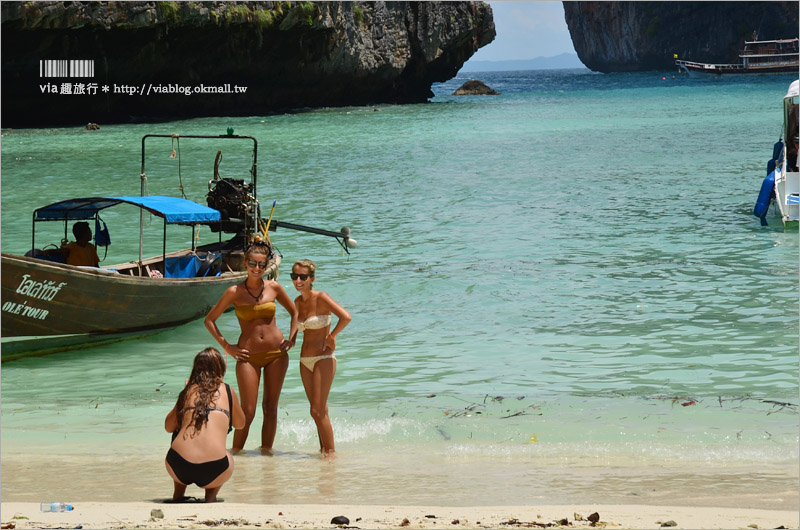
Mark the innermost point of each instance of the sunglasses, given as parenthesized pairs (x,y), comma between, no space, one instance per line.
(259,264)
(303,277)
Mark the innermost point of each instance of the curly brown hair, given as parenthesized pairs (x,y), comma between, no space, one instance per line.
(208,371)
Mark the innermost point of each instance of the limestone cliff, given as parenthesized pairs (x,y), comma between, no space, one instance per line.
(632,36)
(286,54)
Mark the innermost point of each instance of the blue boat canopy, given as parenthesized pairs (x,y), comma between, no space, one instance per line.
(172,209)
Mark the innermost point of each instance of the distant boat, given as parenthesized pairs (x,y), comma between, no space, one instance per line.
(781,187)
(757,57)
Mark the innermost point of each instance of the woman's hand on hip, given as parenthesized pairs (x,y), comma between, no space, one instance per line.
(237,353)
(330,343)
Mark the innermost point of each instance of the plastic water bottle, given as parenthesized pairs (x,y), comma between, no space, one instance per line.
(56,507)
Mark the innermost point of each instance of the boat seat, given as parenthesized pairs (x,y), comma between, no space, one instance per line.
(56,258)
(40,254)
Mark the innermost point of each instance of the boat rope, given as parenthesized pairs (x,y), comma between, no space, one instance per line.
(144,194)
(180,175)
(144,183)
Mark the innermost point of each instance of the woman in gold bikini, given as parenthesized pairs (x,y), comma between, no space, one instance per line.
(261,343)
(317,359)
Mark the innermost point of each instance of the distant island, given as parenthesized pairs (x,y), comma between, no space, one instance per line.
(642,36)
(557,62)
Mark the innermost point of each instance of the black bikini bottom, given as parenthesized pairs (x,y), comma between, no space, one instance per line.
(191,473)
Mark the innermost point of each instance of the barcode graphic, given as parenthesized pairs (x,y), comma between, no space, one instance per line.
(66,68)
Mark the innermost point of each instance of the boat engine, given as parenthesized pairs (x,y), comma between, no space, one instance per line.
(232,197)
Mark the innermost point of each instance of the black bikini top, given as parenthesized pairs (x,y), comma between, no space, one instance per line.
(209,409)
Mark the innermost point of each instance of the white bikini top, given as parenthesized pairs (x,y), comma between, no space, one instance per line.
(315,322)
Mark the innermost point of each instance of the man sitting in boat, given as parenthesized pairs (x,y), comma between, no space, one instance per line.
(81,252)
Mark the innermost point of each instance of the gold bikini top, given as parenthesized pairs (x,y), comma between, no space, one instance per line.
(253,312)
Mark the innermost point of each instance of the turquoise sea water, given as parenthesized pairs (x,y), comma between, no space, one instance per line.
(559,295)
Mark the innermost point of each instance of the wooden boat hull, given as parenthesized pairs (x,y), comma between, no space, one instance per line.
(49,307)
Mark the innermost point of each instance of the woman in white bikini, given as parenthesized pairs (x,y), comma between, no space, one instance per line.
(260,345)
(317,359)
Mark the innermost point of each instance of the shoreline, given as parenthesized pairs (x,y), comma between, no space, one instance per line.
(157,515)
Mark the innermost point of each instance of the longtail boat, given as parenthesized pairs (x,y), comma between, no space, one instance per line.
(50,306)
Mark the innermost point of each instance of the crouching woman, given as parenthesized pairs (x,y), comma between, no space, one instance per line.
(206,411)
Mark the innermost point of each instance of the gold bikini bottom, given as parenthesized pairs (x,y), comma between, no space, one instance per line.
(264,358)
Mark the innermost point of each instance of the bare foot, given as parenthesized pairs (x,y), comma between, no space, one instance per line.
(178,492)
(266,451)
(211,494)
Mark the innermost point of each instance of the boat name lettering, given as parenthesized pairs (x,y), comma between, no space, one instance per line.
(25,310)
(46,290)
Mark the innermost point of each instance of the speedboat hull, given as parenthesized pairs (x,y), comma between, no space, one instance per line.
(787,195)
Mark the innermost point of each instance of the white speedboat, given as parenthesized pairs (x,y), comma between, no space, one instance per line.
(781,188)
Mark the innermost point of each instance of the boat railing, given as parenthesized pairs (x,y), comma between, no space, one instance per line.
(749,65)
(247,227)
(788,53)
(708,66)
(772,47)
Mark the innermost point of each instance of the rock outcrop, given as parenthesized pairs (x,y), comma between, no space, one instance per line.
(165,60)
(634,36)
(473,87)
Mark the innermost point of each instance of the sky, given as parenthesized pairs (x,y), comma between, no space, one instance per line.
(526,29)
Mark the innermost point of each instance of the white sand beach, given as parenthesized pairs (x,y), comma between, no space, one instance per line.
(110,515)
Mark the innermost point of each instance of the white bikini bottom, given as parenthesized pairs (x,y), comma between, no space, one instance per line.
(309,362)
